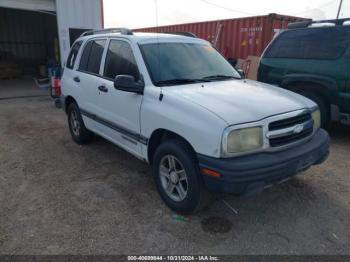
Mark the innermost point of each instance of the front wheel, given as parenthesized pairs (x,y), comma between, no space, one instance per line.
(178,179)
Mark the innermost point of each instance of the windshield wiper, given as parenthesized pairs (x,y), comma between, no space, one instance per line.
(179,81)
(220,77)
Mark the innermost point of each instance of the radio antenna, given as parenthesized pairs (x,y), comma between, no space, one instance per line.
(339,8)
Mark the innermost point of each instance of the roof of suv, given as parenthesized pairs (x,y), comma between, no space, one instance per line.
(148,37)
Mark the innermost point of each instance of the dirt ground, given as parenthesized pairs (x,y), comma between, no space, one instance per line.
(57,197)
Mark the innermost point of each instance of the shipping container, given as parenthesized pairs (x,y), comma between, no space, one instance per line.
(235,38)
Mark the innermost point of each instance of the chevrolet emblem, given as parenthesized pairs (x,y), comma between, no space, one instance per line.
(298,129)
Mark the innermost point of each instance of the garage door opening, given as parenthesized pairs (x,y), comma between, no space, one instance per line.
(35,37)
(28,46)
(28,39)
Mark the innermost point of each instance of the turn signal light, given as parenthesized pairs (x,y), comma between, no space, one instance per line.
(212,173)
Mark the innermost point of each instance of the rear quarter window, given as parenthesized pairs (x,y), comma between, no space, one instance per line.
(73,54)
(311,43)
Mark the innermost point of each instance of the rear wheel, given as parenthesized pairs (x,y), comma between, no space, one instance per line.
(178,179)
(76,125)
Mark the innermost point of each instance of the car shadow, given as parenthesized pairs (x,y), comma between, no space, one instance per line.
(111,179)
(339,132)
(285,199)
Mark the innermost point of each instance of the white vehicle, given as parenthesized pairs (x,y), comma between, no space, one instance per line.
(176,103)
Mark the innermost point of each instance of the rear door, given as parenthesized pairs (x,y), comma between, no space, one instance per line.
(69,86)
(88,79)
(120,110)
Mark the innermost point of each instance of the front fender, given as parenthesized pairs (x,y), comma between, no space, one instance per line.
(200,127)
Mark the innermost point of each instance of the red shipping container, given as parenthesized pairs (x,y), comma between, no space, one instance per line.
(235,38)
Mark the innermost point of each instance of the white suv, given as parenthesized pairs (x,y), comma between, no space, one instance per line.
(174,102)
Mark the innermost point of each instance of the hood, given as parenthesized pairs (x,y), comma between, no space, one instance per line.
(241,101)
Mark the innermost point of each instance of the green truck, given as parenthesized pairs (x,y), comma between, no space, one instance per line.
(313,59)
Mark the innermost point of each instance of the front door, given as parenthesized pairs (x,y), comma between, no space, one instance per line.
(120,110)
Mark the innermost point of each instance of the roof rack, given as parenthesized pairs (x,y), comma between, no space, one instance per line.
(123,31)
(188,34)
(304,24)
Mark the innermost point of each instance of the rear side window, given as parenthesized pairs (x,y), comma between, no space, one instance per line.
(315,43)
(73,54)
(85,57)
(91,58)
(120,60)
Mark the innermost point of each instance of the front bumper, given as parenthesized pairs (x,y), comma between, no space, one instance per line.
(252,173)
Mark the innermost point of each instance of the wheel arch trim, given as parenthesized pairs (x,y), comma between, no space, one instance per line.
(161,134)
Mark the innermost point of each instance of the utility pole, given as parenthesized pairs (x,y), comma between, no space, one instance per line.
(340,4)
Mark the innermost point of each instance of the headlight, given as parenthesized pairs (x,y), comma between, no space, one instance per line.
(243,140)
(316,116)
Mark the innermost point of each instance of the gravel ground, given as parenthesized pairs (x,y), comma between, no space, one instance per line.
(57,197)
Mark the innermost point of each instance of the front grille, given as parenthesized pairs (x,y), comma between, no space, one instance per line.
(289,122)
(288,138)
(284,140)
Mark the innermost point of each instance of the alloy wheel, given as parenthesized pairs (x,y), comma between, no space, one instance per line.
(173,178)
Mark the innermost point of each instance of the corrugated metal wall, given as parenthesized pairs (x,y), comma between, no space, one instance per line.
(239,37)
(47,5)
(79,14)
(26,35)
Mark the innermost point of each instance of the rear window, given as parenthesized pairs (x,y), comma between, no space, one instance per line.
(315,43)
(91,58)
(73,54)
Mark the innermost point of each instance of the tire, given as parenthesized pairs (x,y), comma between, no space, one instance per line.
(77,128)
(197,196)
(324,108)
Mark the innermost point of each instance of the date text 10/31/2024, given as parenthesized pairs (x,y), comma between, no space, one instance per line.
(173,258)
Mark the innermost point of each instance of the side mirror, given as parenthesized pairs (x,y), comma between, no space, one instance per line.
(128,83)
(232,61)
(241,73)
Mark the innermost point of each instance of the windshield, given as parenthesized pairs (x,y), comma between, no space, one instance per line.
(185,63)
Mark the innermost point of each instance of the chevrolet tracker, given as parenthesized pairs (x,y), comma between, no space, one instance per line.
(176,103)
